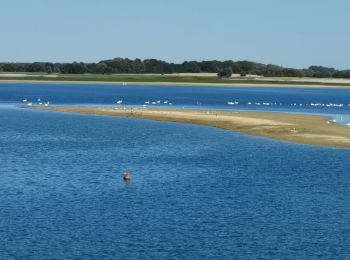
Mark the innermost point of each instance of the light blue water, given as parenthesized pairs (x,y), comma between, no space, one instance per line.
(196,193)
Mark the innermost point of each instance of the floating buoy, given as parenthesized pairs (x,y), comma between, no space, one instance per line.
(127,176)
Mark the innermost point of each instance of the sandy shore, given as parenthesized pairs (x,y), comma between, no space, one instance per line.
(276,84)
(176,79)
(297,128)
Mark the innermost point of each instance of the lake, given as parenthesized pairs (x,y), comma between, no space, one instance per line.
(196,192)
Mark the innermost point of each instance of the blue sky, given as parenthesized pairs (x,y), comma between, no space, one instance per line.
(296,33)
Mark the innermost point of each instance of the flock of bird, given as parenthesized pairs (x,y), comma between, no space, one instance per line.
(39,102)
(232,103)
(292,104)
(146,103)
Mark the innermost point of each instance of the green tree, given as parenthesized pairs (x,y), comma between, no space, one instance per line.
(48,69)
(209,66)
(225,73)
(191,66)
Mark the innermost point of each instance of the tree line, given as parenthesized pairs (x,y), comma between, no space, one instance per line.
(138,66)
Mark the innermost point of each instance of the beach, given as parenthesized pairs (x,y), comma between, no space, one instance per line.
(275,84)
(177,79)
(298,128)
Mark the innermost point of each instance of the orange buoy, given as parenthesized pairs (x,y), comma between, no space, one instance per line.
(127,176)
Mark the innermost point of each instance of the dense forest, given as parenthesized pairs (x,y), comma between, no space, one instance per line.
(137,66)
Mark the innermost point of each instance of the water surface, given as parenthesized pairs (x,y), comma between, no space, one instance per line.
(197,192)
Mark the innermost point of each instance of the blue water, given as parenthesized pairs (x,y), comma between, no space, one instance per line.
(286,99)
(197,192)
(293,100)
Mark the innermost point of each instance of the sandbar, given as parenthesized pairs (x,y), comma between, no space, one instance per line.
(298,128)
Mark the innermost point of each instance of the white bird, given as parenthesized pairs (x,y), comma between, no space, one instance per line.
(47,103)
(119,102)
(24,100)
(29,104)
(38,99)
(146,102)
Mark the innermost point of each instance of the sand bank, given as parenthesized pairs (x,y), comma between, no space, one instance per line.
(305,129)
(274,84)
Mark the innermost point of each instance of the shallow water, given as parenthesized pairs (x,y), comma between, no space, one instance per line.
(197,192)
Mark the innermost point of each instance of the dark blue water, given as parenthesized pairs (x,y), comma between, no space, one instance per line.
(196,193)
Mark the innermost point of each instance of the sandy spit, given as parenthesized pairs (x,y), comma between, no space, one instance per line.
(305,129)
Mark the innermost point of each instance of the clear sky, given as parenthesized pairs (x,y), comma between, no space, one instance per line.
(296,33)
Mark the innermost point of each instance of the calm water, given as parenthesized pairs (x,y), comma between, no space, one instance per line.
(217,97)
(196,193)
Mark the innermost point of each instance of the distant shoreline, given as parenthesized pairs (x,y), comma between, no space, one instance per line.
(304,129)
(250,83)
